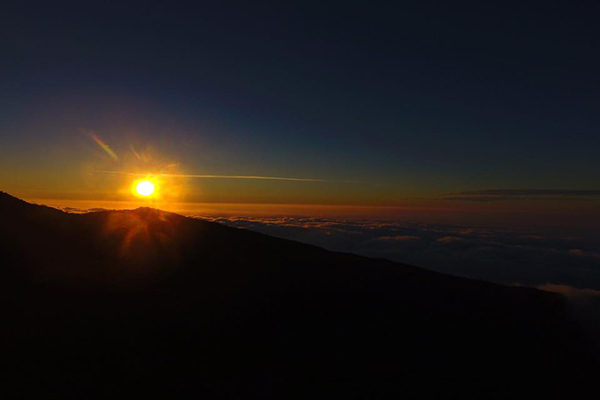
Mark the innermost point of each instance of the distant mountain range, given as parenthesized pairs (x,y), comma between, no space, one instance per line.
(145,303)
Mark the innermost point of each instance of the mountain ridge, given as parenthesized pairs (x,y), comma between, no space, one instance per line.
(162,301)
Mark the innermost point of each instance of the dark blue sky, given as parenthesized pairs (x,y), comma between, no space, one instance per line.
(421,98)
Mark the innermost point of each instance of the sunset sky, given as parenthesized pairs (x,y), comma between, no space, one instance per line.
(248,199)
(446,107)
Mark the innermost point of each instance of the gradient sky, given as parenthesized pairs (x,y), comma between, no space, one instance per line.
(397,103)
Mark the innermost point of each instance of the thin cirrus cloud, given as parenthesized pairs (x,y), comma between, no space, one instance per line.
(520,194)
(203,176)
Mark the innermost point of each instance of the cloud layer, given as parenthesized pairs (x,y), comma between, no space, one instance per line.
(498,255)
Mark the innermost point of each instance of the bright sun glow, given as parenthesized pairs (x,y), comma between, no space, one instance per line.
(145,188)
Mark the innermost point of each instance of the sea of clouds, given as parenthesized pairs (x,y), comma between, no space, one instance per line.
(498,255)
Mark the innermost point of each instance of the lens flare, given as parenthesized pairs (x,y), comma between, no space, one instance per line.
(145,188)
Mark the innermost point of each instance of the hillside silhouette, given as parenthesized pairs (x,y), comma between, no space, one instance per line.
(148,303)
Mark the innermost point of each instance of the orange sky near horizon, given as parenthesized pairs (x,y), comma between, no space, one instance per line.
(528,215)
(90,173)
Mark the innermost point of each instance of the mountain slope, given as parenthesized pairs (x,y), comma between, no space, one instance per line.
(153,303)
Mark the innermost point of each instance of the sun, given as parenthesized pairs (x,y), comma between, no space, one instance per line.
(145,188)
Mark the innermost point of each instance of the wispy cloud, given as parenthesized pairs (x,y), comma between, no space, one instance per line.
(582,253)
(520,194)
(103,146)
(533,192)
(398,238)
(205,176)
(480,198)
(450,240)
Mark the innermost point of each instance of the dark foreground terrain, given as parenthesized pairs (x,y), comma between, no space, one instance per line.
(143,303)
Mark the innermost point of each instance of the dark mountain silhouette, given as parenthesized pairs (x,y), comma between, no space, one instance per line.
(147,303)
